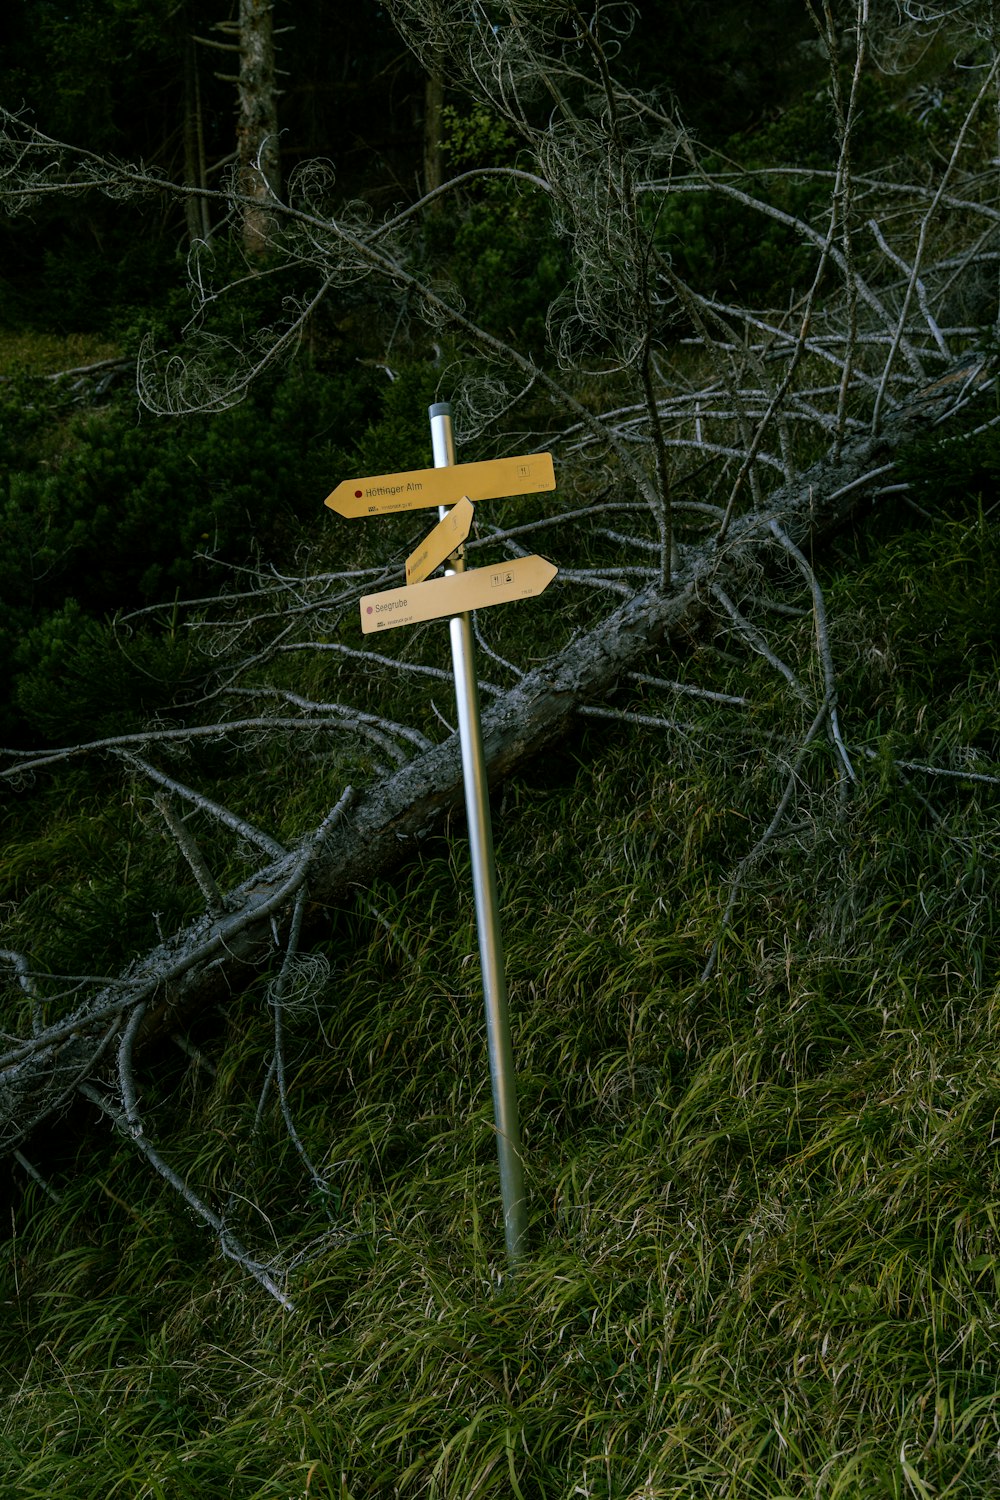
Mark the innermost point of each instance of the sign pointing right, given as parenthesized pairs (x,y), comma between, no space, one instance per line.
(440,543)
(457,593)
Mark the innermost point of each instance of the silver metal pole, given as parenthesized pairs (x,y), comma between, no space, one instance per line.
(477,807)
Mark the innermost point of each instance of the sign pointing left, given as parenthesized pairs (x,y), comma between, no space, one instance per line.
(383,494)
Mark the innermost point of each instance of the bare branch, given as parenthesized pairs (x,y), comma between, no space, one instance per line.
(395,663)
(36,1177)
(26,980)
(278,996)
(767,837)
(753,637)
(957,774)
(230,1246)
(215,810)
(262,725)
(925,223)
(690,691)
(822,643)
(188,846)
(126,1074)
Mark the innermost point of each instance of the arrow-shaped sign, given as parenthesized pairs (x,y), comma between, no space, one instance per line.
(440,543)
(456,593)
(420,488)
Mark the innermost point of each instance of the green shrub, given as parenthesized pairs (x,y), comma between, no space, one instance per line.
(496,242)
(720,245)
(79,679)
(117,509)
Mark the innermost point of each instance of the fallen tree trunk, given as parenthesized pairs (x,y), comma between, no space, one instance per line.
(388,819)
(374,830)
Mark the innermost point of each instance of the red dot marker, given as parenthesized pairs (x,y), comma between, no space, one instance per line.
(358,494)
(369,610)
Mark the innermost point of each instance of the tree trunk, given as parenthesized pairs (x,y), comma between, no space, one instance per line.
(257,128)
(195,207)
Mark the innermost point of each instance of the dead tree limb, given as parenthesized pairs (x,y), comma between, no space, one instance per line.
(368,833)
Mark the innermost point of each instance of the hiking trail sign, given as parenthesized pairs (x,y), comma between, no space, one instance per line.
(453,596)
(446,538)
(456,593)
(493,479)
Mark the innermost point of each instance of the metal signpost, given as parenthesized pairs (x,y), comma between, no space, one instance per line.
(454,485)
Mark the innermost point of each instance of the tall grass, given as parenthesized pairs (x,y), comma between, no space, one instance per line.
(764,1242)
(30,352)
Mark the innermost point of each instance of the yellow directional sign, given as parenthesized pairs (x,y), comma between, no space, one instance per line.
(441,542)
(456,593)
(496,477)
